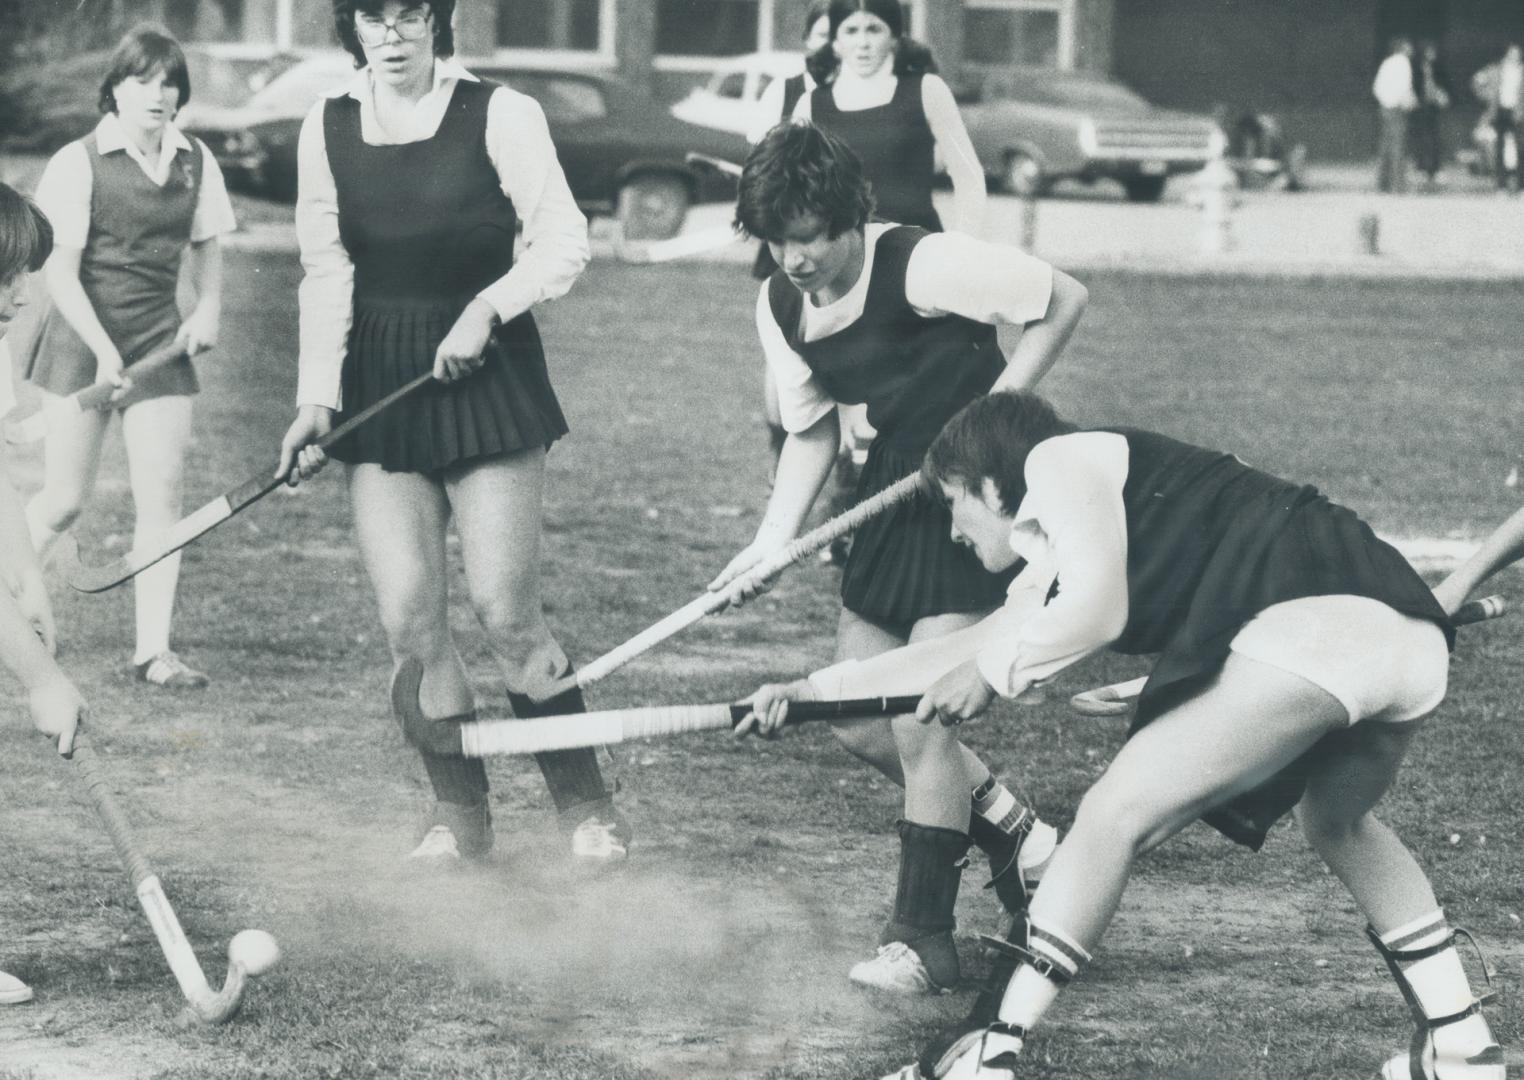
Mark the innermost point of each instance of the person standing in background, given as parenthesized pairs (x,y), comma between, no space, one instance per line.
(1393,89)
(1507,98)
(1431,91)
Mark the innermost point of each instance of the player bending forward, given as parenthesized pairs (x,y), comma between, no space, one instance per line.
(1298,655)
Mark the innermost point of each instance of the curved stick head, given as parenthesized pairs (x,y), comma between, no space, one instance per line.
(82,578)
(222,1006)
(427,735)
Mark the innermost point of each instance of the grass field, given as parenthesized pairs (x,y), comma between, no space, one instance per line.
(284,797)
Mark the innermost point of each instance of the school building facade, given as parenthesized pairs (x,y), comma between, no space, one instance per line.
(1308,61)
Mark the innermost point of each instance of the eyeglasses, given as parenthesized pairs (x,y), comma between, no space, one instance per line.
(410,26)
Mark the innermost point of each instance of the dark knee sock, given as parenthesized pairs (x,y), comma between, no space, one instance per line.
(460,795)
(572,776)
(931,864)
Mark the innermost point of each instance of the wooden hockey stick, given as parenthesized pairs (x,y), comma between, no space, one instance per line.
(99,578)
(31,428)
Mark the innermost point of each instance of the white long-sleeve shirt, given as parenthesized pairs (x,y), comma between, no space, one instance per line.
(948,274)
(1394,83)
(520,149)
(1070,527)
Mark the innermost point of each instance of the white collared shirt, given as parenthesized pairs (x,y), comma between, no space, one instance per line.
(519,147)
(67,183)
(948,274)
(1070,527)
(1393,87)
(7,387)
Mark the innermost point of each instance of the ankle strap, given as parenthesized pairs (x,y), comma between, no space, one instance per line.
(1038,963)
(1396,957)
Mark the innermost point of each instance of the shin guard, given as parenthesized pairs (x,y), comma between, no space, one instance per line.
(1425,1059)
(931,865)
(572,776)
(460,795)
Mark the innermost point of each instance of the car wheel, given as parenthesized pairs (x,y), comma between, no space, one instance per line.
(1023,175)
(652,206)
(1144,188)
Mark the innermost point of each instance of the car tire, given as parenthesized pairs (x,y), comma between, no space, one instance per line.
(1023,175)
(653,206)
(1145,188)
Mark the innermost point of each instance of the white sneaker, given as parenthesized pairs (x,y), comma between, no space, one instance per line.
(1036,853)
(438,848)
(597,842)
(13,991)
(897,969)
(1487,1063)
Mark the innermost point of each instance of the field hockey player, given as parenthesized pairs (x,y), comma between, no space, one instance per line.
(904,321)
(26,617)
(1297,657)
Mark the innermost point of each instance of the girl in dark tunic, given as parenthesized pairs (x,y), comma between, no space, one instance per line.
(903,321)
(129,202)
(413,180)
(1297,656)
(878,91)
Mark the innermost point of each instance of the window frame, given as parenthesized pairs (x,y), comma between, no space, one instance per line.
(602,58)
(1066,22)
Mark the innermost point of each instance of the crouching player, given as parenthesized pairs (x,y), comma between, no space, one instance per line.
(26,618)
(1297,657)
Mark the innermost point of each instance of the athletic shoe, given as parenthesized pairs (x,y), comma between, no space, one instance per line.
(982,1054)
(897,969)
(13,991)
(438,848)
(600,842)
(170,672)
(1486,1064)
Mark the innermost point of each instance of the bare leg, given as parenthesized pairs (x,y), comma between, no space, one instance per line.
(496,504)
(157,432)
(71,459)
(400,521)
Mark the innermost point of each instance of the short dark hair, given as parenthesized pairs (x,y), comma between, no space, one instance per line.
(991,437)
(344,11)
(26,235)
(818,9)
(800,169)
(145,49)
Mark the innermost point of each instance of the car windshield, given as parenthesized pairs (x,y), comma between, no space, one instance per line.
(294,92)
(231,80)
(564,98)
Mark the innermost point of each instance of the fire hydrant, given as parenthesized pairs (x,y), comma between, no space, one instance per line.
(1215,190)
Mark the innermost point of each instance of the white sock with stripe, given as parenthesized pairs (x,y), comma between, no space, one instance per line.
(995,803)
(1033,989)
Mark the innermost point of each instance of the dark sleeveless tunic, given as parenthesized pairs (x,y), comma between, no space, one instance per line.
(896,146)
(427,227)
(793,89)
(1213,542)
(129,270)
(914,373)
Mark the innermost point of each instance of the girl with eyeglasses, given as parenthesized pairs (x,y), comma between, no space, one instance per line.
(413,180)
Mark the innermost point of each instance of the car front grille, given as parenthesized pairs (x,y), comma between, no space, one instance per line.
(1153,140)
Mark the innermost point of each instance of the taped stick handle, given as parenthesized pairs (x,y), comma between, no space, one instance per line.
(98,396)
(709,602)
(842,709)
(1480,610)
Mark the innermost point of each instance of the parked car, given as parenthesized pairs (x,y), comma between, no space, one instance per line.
(1033,126)
(729,100)
(44,105)
(621,151)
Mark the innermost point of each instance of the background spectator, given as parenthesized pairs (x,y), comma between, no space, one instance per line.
(1393,89)
(1431,89)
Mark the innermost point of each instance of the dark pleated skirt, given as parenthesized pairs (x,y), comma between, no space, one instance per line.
(903,564)
(506,406)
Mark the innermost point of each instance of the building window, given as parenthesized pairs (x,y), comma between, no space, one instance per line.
(562,25)
(709,27)
(1035,33)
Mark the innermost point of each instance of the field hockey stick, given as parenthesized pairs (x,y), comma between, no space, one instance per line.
(489,738)
(208,1005)
(709,602)
(680,247)
(1117,698)
(709,161)
(92,579)
(31,428)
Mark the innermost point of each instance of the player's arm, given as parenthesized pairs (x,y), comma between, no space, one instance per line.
(999,284)
(957,153)
(21,572)
(1504,546)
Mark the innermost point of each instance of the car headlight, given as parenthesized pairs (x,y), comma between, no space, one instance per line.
(1088,143)
(1217,143)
